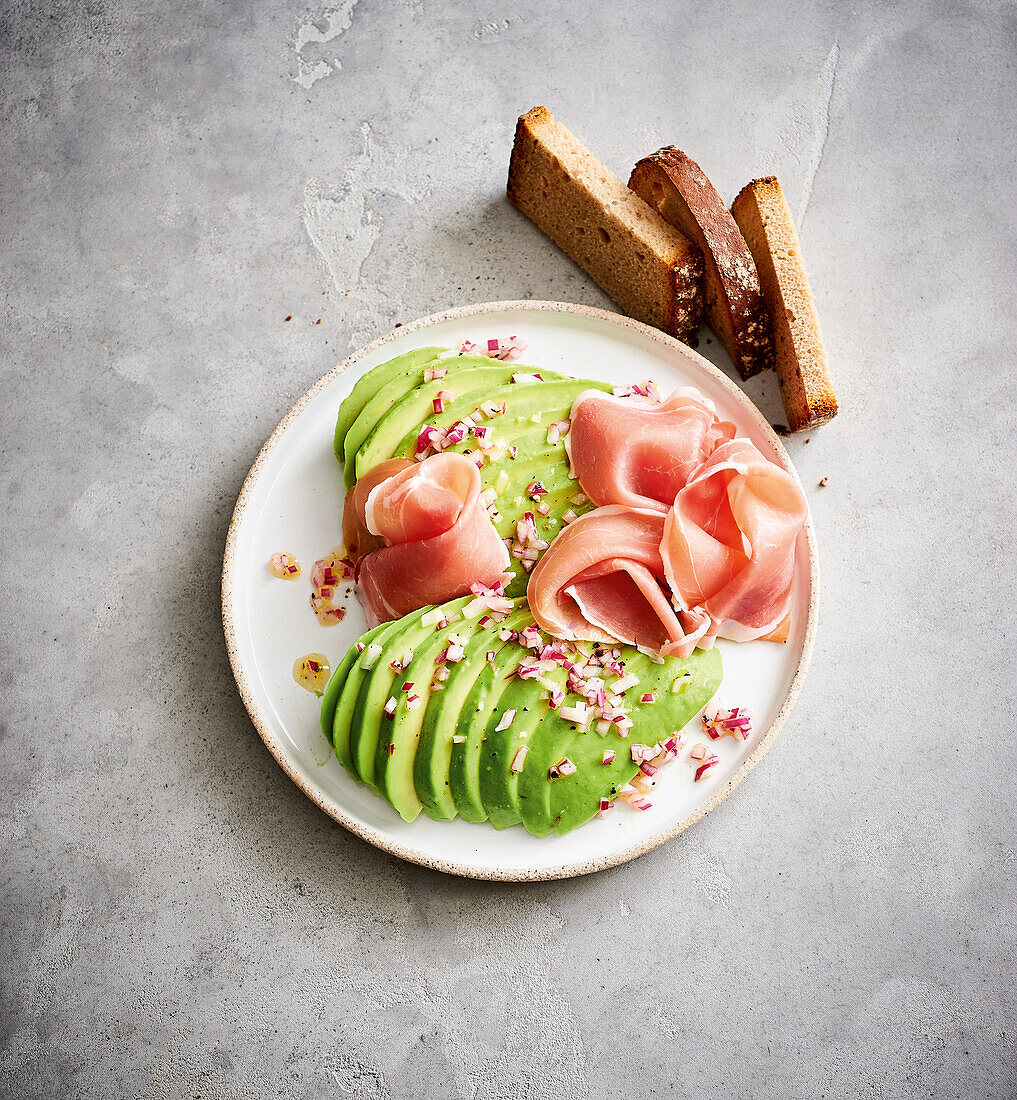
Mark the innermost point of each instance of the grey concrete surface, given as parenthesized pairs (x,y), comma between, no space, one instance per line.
(177,920)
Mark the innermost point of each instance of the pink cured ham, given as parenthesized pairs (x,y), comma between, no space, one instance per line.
(438,539)
(357,539)
(603,580)
(729,542)
(633,451)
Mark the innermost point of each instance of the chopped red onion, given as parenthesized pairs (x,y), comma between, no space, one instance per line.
(707,766)
(506,720)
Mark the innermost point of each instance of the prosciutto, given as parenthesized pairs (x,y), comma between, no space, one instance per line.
(603,580)
(728,543)
(434,539)
(357,539)
(633,451)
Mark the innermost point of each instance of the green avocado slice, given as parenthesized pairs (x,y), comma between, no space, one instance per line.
(575,799)
(498,781)
(393,390)
(373,691)
(395,433)
(399,734)
(369,383)
(471,729)
(462,376)
(330,699)
(563,804)
(345,722)
(533,786)
(444,708)
(550,400)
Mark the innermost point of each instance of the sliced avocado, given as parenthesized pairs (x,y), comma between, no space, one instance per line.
(471,729)
(550,745)
(346,708)
(533,786)
(444,708)
(373,692)
(498,780)
(446,755)
(335,684)
(369,383)
(573,804)
(460,377)
(399,734)
(395,433)
(550,399)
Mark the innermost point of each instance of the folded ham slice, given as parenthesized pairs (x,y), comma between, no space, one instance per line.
(357,539)
(633,451)
(436,539)
(729,542)
(602,580)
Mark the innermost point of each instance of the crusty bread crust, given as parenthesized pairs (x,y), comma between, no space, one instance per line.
(675,186)
(764,218)
(646,265)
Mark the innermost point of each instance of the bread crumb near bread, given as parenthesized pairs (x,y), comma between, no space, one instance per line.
(678,189)
(646,265)
(765,221)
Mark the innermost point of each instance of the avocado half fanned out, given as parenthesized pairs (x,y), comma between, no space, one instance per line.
(454,750)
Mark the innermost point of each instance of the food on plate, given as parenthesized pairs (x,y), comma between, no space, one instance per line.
(505,419)
(443,736)
(719,563)
(437,538)
(357,539)
(328,574)
(284,565)
(603,580)
(729,542)
(764,218)
(646,265)
(678,189)
(639,450)
(312,672)
(529,660)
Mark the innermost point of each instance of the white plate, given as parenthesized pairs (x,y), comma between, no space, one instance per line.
(292,500)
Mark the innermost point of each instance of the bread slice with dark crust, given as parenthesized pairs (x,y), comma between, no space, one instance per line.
(646,265)
(678,189)
(764,218)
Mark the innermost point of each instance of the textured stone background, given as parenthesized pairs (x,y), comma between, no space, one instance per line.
(177,919)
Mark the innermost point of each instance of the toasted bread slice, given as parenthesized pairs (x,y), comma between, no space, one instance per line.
(647,266)
(677,188)
(763,217)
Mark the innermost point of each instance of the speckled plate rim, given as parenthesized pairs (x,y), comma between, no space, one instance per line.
(375,836)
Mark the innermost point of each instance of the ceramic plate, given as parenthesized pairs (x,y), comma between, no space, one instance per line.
(292,500)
